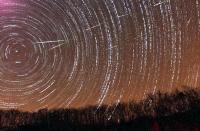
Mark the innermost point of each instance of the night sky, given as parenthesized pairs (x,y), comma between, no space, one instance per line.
(75,53)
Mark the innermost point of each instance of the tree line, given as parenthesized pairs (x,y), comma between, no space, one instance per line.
(156,109)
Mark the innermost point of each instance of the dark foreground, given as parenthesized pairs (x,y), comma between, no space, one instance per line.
(179,111)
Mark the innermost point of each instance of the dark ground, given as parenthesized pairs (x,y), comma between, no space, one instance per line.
(179,111)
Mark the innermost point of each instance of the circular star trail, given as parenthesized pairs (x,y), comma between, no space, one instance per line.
(75,53)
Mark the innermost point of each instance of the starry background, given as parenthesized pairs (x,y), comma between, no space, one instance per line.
(75,53)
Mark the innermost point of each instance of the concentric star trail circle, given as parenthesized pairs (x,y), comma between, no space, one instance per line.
(75,53)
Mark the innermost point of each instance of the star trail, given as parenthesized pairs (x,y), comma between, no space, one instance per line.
(75,53)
